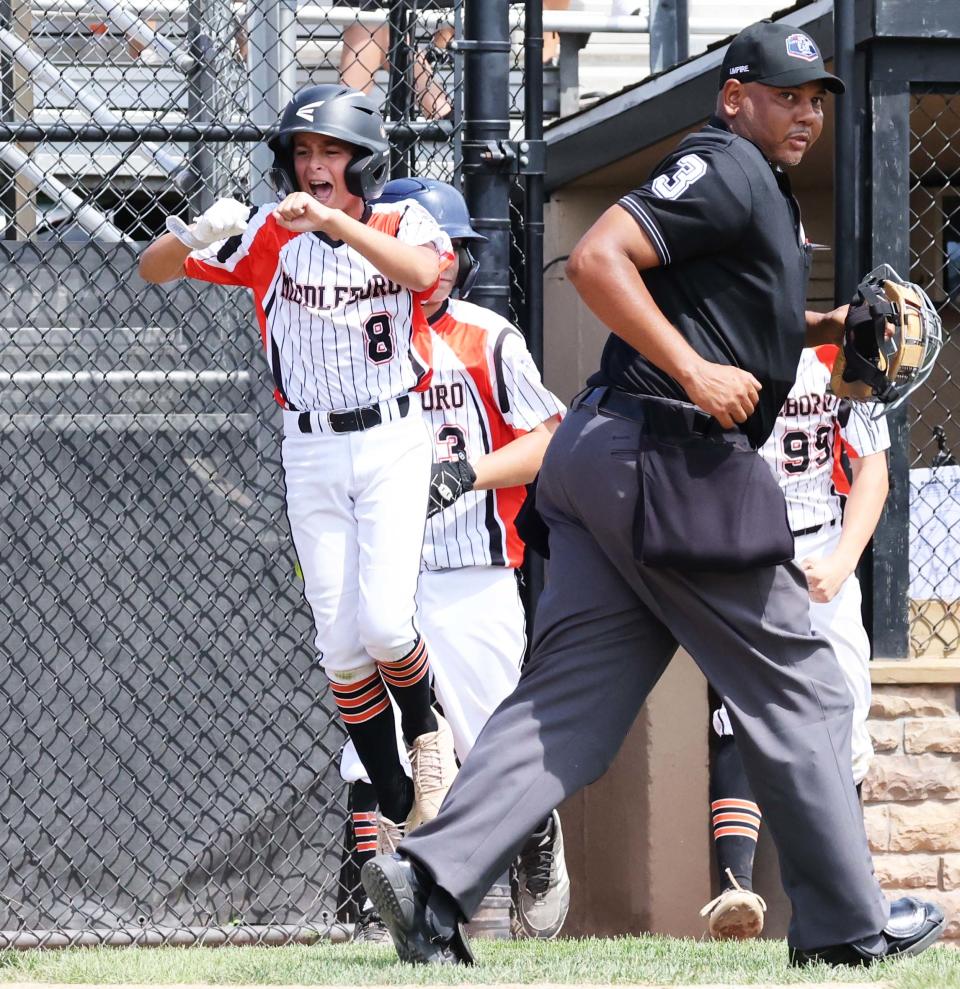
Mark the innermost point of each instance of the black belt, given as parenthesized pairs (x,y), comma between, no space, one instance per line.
(353,420)
(810,530)
(662,416)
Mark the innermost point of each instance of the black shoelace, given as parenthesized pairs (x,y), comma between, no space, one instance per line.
(537,864)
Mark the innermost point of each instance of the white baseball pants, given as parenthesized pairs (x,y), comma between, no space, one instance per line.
(472,619)
(357,505)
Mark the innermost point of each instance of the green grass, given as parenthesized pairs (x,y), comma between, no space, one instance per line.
(643,960)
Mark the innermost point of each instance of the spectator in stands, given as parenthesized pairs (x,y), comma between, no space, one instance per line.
(366,49)
(551,39)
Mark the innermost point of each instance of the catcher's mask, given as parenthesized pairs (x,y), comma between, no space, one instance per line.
(343,113)
(871,365)
(445,204)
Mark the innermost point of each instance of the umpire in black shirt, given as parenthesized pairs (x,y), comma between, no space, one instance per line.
(666,528)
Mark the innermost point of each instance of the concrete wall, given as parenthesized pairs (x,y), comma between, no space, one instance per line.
(572,336)
(638,840)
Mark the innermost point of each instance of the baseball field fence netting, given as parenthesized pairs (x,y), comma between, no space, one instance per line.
(170,770)
(934,442)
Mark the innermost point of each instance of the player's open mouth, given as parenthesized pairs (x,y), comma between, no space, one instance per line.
(321,190)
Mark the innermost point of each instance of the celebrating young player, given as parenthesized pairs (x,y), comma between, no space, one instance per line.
(491,419)
(337,286)
(804,451)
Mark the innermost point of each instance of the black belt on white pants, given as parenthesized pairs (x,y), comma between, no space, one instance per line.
(351,420)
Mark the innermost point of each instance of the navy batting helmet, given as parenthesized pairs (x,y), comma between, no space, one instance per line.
(445,204)
(339,112)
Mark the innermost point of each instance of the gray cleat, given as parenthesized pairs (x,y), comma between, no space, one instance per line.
(369,928)
(541,893)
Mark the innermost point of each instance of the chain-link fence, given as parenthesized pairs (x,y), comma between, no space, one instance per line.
(170,754)
(934,429)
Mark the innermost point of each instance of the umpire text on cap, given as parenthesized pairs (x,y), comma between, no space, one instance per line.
(776,55)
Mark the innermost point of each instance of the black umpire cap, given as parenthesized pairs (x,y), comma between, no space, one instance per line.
(777,55)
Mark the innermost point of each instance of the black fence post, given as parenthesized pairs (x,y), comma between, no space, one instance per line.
(533,181)
(890,242)
(533,237)
(400,86)
(846,260)
(486,153)
(200,105)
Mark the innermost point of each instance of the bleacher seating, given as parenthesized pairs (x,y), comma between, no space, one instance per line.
(94,56)
(611,61)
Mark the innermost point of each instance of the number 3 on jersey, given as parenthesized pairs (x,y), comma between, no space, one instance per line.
(450,443)
(378,329)
(689,169)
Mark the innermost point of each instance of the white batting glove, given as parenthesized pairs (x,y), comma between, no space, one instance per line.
(225,218)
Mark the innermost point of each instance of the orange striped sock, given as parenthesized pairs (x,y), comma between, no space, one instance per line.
(736,827)
(359,702)
(735,818)
(409,683)
(366,711)
(365,833)
(407,671)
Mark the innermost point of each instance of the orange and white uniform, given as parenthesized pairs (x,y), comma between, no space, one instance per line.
(337,334)
(812,431)
(486,391)
(807,439)
(347,349)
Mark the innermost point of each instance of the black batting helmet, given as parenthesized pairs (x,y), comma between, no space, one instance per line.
(448,207)
(343,113)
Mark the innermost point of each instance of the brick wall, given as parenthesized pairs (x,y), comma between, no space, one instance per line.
(912,794)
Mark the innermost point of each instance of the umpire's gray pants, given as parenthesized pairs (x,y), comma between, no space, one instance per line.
(605,630)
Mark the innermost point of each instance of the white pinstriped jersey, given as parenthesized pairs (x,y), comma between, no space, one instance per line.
(805,446)
(337,333)
(486,391)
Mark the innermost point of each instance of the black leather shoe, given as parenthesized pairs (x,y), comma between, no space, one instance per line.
(422,918)
(913,926)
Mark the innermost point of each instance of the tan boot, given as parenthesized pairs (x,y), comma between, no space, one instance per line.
(736,914)
(389,835)
(434,766)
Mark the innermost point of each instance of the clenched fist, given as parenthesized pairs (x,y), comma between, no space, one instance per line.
(301,213)
(728,393)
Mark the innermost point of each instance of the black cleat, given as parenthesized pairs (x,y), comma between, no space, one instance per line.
(913,926)
(422,918)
